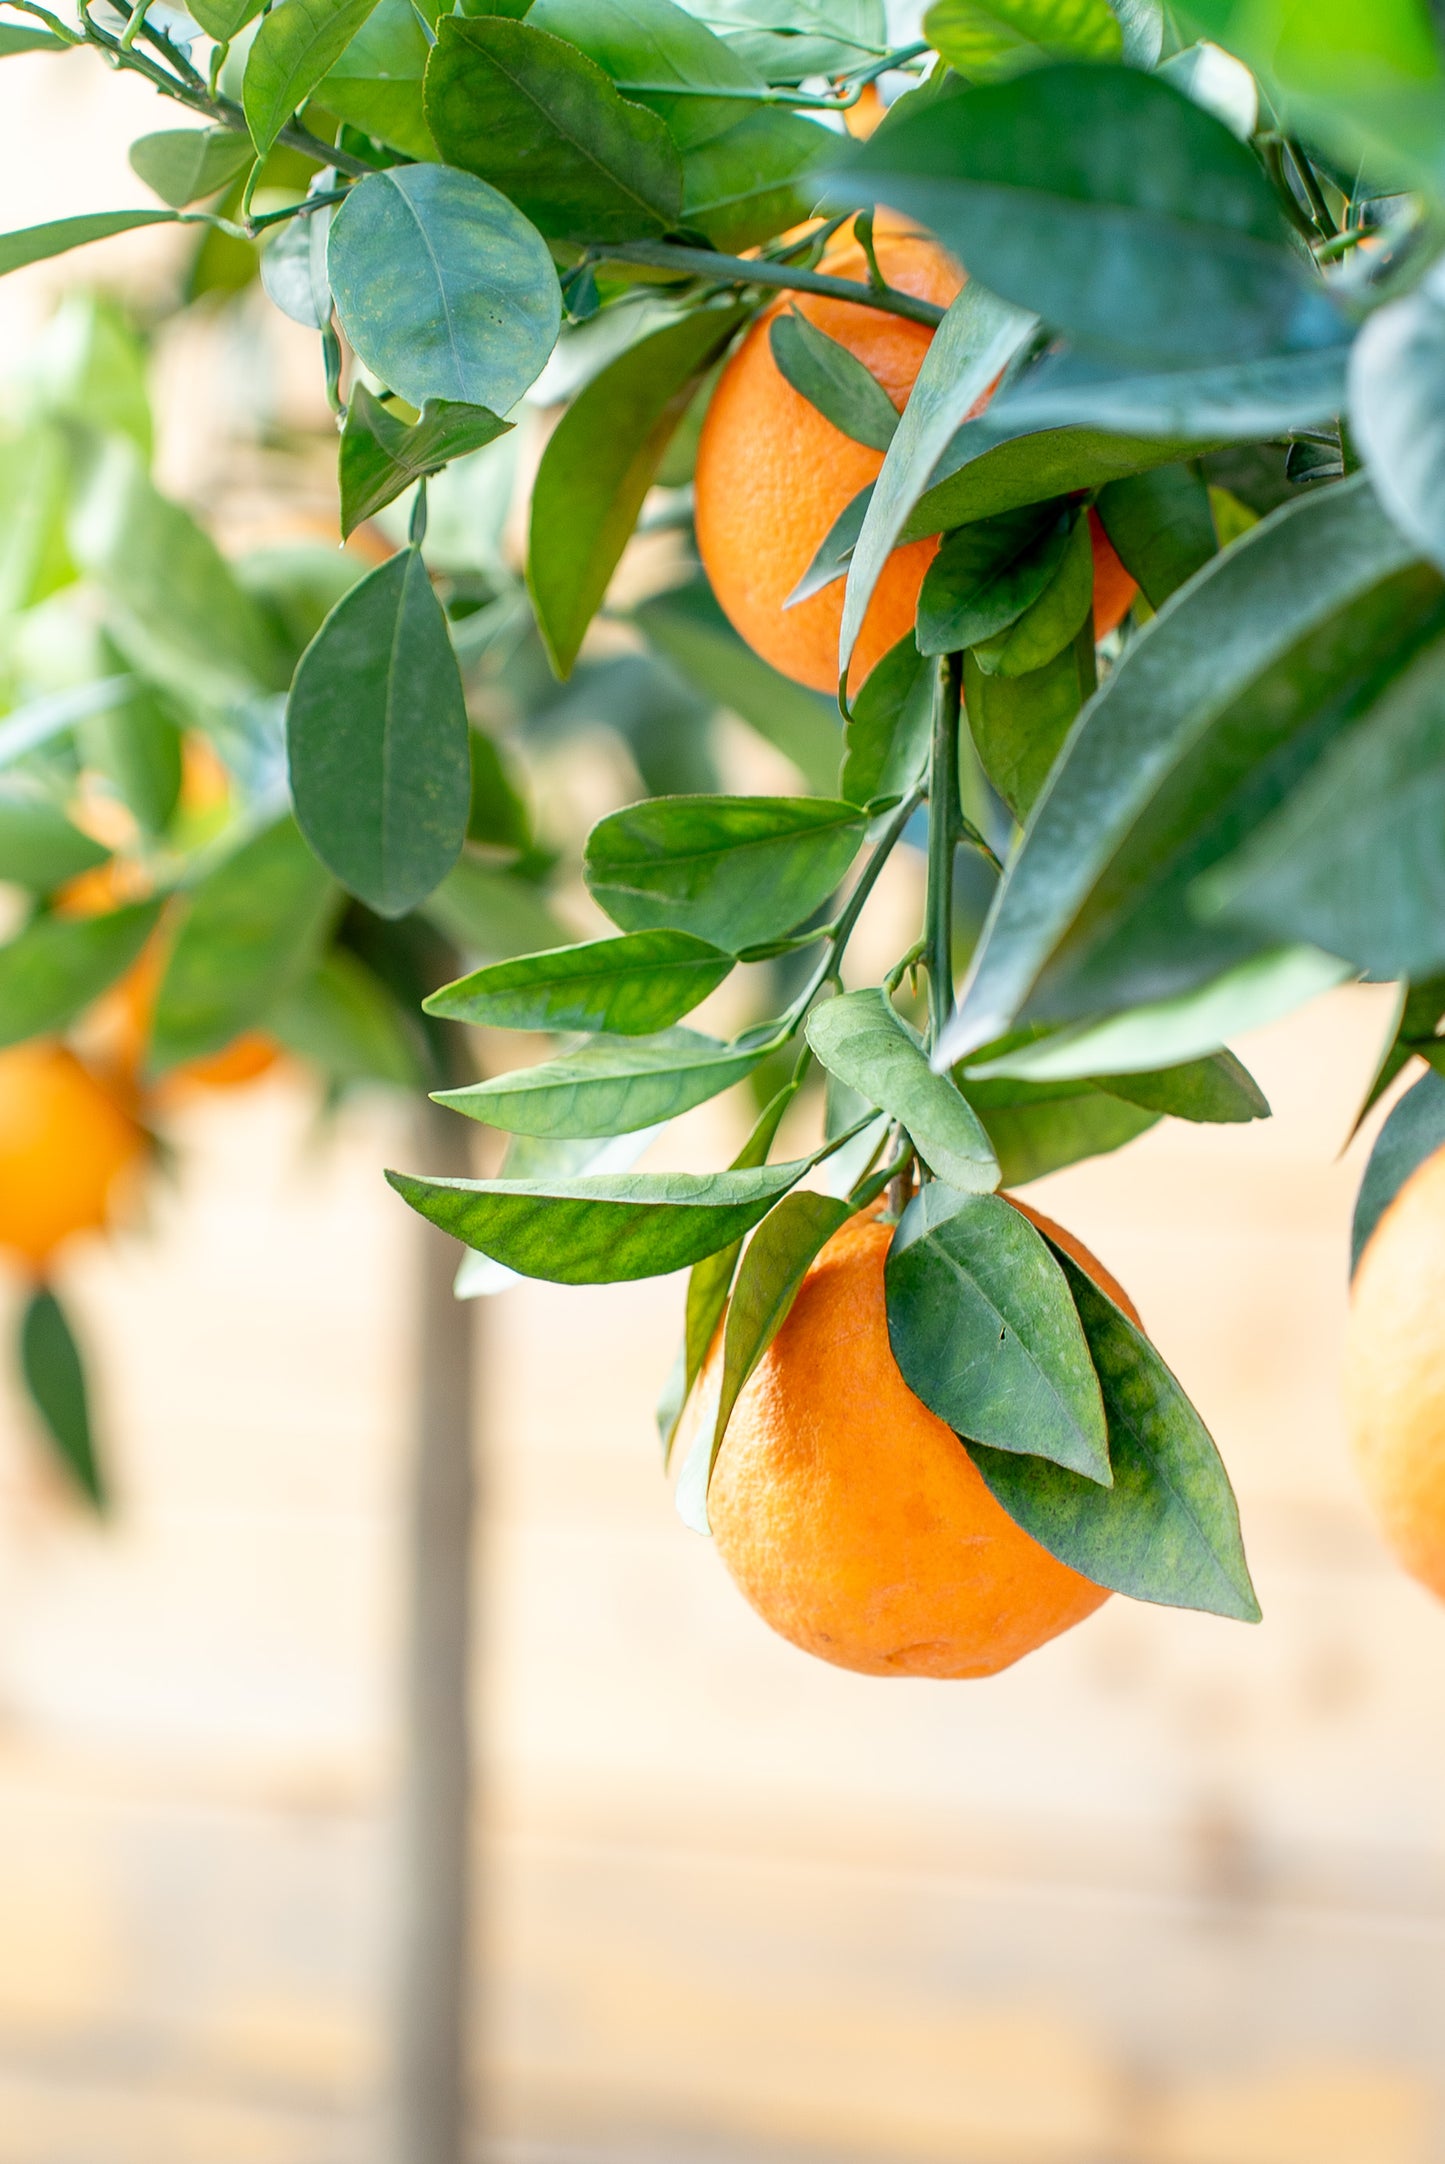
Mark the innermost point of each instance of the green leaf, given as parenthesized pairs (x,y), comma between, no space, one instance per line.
(834,380)
(739,871)
(1184,749)
(25,38)
(1397,410)
(296,45)
(185,165)
(36,243)
(984,1329)
(1161,526)
(834,551)
(1414,1131)
(136,745)
(1418,1012)
(376,84)
(1053,619)
(443,287)
(645,47)
(612,1086)
(293,270)
(54,1375)
(39,848)
(984,39)
(56,966)
(775,1261)
(887,736)
(497,812)
(541,121)
(630,986)
(1111,204)
(1039,1131)
(490,914)
(861,1040)
(222,19)
(1229,401)
(1168,1529)
(376,730)
(975,340)
(1217,1088)
(343,1021)
(1019,723)
(602,1230)
(382,456)
(688,628)
(753,182)
(787,40)
(599,463)
(986,575)
(992,466)
(252,932)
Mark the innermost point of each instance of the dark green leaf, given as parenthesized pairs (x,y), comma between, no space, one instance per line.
(35,243)
(1168,1529)
(294,276)
(602,1230)
(1053,619)
(990,467)
(860,1038)
(1228,401)
(646,47)
(376,730)
(753,182)
(613,1086)
(185,165)
(377,82)
(599,463)
(984,1328)
(1217,1089)
(736,870)
(443,287)
(834,380)
(1040,1131)
(381,455)
(252,932)
(541,121)
(975,340)
(1414,1131)
(1354,860)
(985,39)
(986,575)
(1019,724)
(1397,410)
(888,733)
(490,914)
(630,986)
(1419,1009)
(835,550)
(689,628)
(55,1378)
(343,1021)
(296,45)
(1170,764)
(1161,526)
(56,966)
(39,848)
(497,813)
(1108,202)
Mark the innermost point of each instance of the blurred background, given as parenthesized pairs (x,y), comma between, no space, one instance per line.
(1172,1892)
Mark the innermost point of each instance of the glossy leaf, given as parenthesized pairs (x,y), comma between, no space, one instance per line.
(990,467)
(222,19)
(1217,1088)
(1019,723)
(1105,200)
(834,380)
(1034,1133)
(1161,526)
(975,340)
(376,83)
(185,165)
(542,123)
(381,456)
(39,848)
(647,46)
(599,463)
(612,1086)
(738,871)
(1052,620)
(344,1022)
(251,932)
(985,39)
(294,275)
(443,287)
(1397,410)
(605,1229)
(376,733)
(984,1329)
(1227,401)
(56,966)
(986,575)
(36,243)
(296,45)
(888,733)
(860,1039)
(1168,1529)
(754,181)
(1201,717)
(54,1373)
(1414,1131)
(629,987)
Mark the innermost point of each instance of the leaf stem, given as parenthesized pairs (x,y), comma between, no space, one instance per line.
(943,833)
(298,210)
(736,270)
(841,931)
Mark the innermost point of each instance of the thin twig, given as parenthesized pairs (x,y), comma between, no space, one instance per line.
(736,270)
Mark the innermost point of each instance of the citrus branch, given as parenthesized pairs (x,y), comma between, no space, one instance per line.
(736,270)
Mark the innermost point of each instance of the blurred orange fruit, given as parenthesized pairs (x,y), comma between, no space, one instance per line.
(66,1145)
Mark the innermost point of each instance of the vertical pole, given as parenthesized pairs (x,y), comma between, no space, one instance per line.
(430,2090)
(943,829)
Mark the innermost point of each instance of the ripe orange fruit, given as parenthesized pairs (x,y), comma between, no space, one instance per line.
(66,1144)
(851,1517)
(1395,1373)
